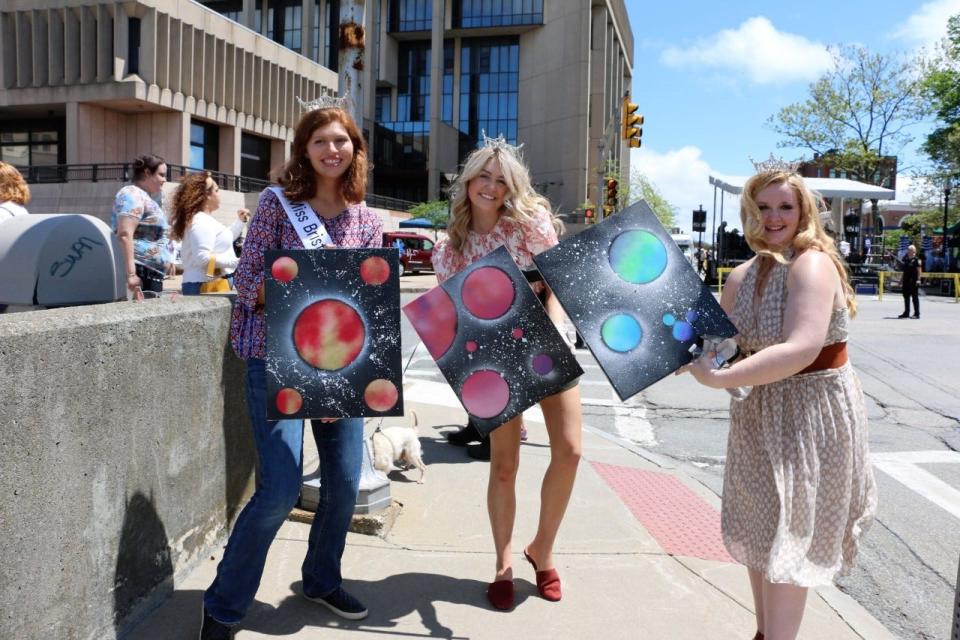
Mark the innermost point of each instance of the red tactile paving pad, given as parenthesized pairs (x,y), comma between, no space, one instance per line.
(681,522)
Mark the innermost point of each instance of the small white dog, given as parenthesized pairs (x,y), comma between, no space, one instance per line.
(398,443)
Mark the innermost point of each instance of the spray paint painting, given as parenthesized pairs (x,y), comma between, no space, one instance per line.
(333,333)
(634,298)
(492,340)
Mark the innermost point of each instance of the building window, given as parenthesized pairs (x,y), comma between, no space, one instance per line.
(204,145)
(446,110)
(232,9)
(413,82)
(290,25)
(133,45)
(254,156)
(32,143)
(331,49)
(410,15)
(489,70)
(496,13)
(381,110)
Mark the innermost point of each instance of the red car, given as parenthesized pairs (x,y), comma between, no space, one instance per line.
(416,251)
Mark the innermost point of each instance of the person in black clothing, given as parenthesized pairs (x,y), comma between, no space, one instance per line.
(912,270)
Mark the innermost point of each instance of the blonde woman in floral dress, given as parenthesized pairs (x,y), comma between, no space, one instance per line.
(798,488)
(494,205)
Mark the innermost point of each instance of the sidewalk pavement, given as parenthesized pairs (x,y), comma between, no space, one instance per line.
(427,576)
(639,554)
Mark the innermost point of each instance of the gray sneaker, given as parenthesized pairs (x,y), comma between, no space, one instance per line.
(341,603)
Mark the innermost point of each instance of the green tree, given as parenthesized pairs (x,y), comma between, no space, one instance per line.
(942,88)
(858,112)
(436,211)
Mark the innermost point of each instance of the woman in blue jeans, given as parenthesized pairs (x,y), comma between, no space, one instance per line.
(327,169)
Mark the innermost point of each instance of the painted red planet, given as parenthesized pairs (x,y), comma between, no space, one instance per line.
(329,334)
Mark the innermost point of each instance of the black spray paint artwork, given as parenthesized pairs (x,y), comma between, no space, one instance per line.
(492,340)
(333,333)
(633,296)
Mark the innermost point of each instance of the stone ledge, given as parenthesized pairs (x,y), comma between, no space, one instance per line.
(368,524)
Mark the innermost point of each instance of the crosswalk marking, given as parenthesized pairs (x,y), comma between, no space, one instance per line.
(903,467)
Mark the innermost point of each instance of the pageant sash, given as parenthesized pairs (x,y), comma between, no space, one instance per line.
(305,220)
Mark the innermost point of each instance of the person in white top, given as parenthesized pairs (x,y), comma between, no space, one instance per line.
(207,246)
(14,192)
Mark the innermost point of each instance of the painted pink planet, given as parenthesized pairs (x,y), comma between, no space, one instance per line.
(487,293)
(289,401)
(471,346)
(381,395)
(284,269)
(374,270)
(485,393)
(329,334)
(517,333)
(434,318)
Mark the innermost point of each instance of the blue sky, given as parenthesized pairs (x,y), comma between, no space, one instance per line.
(707,75)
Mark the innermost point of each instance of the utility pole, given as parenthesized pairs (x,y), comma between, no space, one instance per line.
(352,42)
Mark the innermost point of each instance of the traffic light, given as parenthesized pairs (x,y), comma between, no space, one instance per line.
(612,195)
(588,216)
(611,200)
(632,124)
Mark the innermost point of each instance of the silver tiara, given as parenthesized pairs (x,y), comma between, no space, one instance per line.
(775,164)
(500,144)
(326,101)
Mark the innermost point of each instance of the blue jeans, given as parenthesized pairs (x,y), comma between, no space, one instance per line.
(190,288)
(280,451)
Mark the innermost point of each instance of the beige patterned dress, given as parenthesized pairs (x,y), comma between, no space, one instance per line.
(798,490)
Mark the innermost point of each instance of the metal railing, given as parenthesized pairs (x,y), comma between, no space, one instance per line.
(123,172)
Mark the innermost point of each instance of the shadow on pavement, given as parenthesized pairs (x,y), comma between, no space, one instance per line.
(389,600)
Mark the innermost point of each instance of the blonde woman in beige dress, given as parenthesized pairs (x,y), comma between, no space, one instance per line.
(798,488)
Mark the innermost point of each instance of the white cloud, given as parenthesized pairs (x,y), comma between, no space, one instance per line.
(682,177)
(928,24)
(755,48)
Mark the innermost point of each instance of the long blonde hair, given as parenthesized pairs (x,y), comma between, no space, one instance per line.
(810,232)
(521,203)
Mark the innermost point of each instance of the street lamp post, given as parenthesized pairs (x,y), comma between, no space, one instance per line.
(946,206)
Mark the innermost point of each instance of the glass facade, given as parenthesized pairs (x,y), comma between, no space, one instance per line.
(254,156)
(410,15)
(413,82)
(489,72)
(381,105)
(400,159)
(496,13)
(204,145)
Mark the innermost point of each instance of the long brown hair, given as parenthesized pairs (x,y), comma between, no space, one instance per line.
(189,198)
(810,233)
(297,177)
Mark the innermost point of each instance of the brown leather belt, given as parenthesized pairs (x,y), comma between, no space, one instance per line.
(832,356)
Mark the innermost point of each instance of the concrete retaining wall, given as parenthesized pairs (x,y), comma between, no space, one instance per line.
(125,452)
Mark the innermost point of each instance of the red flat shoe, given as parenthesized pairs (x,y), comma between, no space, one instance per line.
(548,581)
(500,594)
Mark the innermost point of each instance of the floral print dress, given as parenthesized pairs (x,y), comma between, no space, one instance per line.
(522,240)
(798,488)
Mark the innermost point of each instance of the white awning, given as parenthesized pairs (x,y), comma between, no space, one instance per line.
(827,187)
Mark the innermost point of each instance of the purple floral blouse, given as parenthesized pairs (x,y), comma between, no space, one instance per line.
(270,228)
